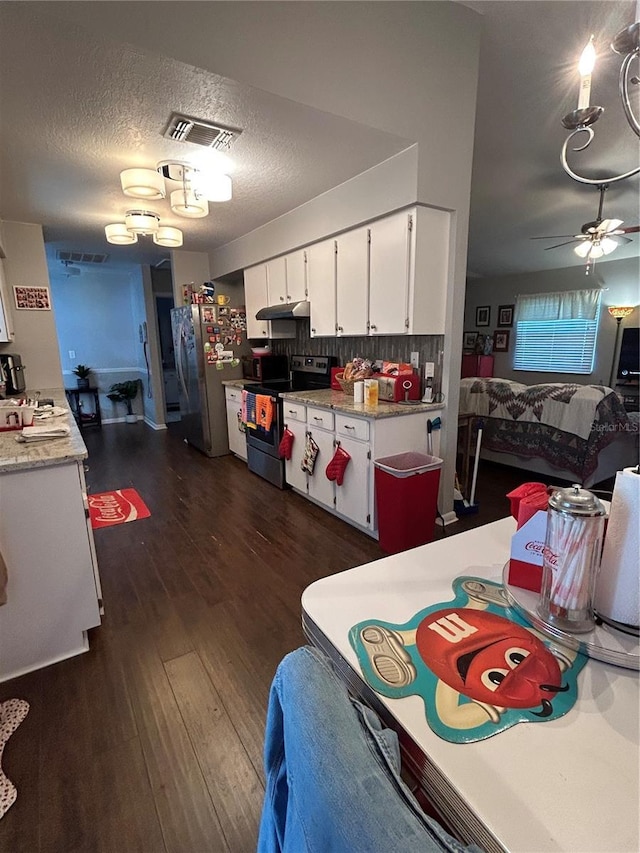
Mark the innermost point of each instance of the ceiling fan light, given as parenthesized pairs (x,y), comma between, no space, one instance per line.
(583,249)
(142,183)
(119,235)
(167,236)
(596,251)
(608,245)
(215,187)
(142,222)
(186,202)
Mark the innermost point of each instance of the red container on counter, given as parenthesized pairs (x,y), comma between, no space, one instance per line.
(335,385)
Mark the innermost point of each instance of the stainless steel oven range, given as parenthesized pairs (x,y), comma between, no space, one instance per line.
(308,372)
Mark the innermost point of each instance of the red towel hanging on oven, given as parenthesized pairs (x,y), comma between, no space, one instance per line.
(286,444)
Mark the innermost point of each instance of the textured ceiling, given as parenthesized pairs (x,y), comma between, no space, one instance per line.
(77,109)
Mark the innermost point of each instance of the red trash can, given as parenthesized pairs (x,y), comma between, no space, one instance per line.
(407,498)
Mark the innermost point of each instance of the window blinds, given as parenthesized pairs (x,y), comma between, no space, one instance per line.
(556,332)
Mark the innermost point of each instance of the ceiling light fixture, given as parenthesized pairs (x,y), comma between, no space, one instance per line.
(580,120)
(189,190)
(119,235)
(142,183)
(143,222)
(167,236)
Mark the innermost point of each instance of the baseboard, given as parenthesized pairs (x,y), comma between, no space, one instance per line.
(154,425)
(447,518)
(119,420)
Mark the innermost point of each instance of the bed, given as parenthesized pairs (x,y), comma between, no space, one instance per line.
(574,432)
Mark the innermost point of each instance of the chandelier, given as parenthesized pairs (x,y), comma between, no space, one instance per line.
(581,120)
(190,190)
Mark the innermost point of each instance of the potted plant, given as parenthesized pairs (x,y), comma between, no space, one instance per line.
(125,392)
(82,372)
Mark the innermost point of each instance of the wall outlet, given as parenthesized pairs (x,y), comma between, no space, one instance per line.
(72,353)
(415,360)
(429,369)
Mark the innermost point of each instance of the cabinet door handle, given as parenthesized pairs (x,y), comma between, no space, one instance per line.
(293,411)
(318,419)
(282,299)
(340,329)
(346,426)
(373,327)
(313,330)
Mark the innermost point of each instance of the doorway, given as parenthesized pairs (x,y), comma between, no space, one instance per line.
(164,304)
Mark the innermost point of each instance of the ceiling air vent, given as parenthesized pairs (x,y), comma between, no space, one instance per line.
(183,128)
(81,257)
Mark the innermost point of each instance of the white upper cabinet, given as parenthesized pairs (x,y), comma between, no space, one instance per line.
(389,274)
(296,276)
(6,332)
(409,262)
(352,282)
(276,281)
(255,298)
(321,279)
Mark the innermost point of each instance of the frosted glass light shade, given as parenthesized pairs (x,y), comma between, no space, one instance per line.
(186,203)
(142,222)
(119,235)
(583,249)
(217,187)
(608,245)
(167,236)
(142,183)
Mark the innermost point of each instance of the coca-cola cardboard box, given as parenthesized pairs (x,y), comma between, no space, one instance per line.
(529,508)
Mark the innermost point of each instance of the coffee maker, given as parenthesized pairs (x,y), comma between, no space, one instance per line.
(12,374)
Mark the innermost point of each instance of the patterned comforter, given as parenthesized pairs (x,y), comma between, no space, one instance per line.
(567,425)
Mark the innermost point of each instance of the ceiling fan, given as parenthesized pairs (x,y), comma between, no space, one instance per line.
(597,238)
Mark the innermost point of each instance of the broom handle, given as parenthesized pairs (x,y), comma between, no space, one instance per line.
(476,462)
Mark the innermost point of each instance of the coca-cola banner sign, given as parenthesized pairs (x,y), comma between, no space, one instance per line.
(109,508)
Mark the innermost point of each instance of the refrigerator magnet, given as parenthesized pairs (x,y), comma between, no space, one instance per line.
(209,330)
(213,338)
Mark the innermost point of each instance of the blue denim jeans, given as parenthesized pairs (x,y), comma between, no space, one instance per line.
(333,772)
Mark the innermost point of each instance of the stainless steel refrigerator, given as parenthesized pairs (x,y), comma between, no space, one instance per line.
(209,342)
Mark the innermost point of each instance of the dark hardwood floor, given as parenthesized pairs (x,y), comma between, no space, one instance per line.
(152,741)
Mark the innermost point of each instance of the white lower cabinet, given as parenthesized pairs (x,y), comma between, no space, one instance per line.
(295,419)
(353,496)
(237,437)
(321,489)
(365,440)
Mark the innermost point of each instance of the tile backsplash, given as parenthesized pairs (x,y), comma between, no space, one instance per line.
(387,348)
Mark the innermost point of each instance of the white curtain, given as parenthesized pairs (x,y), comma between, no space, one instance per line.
(567,305)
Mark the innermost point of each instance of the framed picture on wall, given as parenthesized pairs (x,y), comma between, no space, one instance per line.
(505,315)
(469,341)
(483,315)
(31,298)
(501,340)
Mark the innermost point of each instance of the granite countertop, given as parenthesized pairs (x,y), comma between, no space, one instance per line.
(237,383)
(15,456)
(340,402)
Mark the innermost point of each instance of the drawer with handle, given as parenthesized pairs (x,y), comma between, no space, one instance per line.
(357,428)
(293,411)
(319,418)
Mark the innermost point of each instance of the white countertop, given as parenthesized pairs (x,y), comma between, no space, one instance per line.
(15,456)
(569,784)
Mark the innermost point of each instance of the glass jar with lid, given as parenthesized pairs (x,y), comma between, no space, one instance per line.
(571,558)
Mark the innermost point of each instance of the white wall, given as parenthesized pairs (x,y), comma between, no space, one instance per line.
(97,316)
(621,283)
(188,268)
(35,331)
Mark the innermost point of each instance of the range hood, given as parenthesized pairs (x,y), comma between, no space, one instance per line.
(285,311)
